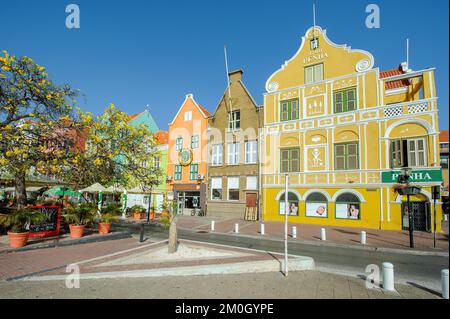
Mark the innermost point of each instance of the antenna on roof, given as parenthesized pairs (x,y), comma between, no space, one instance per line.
(229,89)
(314,14)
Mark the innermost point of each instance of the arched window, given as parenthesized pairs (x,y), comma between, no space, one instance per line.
(316,205)
(293,204)
(348,206)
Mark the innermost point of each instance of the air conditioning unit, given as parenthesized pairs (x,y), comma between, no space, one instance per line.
(168,178)
(200,177)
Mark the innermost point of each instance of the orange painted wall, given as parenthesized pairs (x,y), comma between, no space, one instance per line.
(181,128)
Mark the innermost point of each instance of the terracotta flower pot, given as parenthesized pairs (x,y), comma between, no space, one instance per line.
(137,216)
(76,231)
(18,240)
(152,215)
(103,228)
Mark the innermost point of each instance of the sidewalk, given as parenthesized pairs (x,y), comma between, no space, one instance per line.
(299,285)
(339,235)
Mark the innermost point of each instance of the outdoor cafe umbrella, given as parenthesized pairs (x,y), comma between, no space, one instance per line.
(61,191)
(94,188)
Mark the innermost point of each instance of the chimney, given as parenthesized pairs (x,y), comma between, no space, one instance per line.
(235,75)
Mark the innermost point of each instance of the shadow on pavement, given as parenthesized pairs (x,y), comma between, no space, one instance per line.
(431,291)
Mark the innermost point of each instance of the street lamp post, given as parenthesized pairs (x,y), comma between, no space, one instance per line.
(286,216)
(403,179)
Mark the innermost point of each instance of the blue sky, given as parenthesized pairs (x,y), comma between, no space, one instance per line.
(137,52)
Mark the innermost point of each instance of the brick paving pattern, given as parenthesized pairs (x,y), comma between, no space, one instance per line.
(299,285)
(28,262)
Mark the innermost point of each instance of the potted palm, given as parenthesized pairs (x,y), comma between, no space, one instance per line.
(78,217)
(109,214)
(18,221)
(137,211)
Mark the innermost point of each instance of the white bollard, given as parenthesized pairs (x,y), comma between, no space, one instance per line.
(323,234)
(445,217)
(444,278)
(294,232)
(263,229)
(388,276)
(213,225)
(236,228)
(363,239)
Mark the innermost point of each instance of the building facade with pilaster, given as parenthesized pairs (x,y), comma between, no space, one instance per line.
(341,129)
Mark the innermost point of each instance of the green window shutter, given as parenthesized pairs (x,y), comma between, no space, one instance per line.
(352,156)
(351,100)
(284,111)
(295,160)
(284,161)
(345,101)
(178,172)
(338,102)
(294,110)
(339,156)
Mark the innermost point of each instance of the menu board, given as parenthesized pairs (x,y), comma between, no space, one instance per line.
(50,225)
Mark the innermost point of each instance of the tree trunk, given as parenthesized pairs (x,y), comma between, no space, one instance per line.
(173,238)
(21,192)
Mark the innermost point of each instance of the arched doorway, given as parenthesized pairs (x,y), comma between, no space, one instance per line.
(420,207)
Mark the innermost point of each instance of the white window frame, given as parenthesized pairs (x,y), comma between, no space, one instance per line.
(179,146)
(213,188)
(313,69)
(234,188)
(233,153)
(251,152)
(188,116)
(400,152)
(217,154)
(416,151)
(195,141)
(255,182)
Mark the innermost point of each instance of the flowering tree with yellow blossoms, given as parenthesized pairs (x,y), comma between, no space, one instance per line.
(35,113)
(116,152)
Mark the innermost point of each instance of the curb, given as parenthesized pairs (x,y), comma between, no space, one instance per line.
(71,242)
(331,244)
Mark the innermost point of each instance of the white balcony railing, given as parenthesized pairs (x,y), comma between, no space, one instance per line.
(409,108)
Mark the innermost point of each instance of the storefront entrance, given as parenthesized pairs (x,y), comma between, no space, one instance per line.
(422,216)
(187,201)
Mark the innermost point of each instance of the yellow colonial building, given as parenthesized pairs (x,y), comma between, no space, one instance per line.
(341,129)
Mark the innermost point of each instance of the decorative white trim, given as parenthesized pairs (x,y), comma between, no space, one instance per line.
(188,96)
(320,191)
(351,191)
(422,191)
(324,33)
(425,124)
(280,193)
(396,91)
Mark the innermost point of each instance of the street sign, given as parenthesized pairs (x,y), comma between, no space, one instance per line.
(417,176)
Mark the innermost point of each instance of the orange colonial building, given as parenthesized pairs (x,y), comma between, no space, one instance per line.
(186,168)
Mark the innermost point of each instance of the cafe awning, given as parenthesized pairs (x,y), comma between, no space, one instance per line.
(94,188)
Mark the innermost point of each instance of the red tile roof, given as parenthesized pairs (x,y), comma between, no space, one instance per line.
(132,117)
(394,84)
(443,136)
(162,137)
(204,110)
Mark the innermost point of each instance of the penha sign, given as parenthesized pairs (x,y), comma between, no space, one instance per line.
(417,176)
(50,226)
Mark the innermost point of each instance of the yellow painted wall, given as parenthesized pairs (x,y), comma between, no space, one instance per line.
(374,124)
